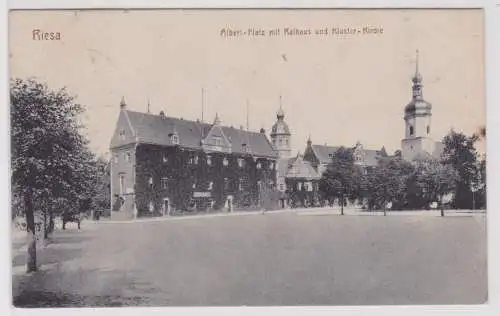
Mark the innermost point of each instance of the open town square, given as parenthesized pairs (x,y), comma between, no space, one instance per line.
(301,257)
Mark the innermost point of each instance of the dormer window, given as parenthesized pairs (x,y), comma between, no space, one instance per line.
(175,139)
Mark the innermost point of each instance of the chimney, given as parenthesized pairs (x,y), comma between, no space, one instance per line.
(162,114)
(262,130)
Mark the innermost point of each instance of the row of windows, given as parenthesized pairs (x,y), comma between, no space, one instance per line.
(281,141)
(164,184)
(412,130)
(225,162)
(126,156)
(195,160)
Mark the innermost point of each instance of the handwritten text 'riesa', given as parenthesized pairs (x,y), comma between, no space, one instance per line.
(228,32)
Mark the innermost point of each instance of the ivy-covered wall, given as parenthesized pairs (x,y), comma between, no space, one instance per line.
(177,173)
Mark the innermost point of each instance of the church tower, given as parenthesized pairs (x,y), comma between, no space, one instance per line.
(417,117)
(280,135)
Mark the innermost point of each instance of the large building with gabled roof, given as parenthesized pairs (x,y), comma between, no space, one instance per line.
(162,164)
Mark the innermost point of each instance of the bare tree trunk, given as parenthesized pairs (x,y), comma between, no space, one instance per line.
(342,204)
(441,206)
(45,225)
(30,225)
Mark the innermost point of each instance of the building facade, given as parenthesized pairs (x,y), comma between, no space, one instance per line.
(297,180)
(162,165)
(321,155)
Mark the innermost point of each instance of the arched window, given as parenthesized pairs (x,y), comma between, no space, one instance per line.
(428,129)
(411,130)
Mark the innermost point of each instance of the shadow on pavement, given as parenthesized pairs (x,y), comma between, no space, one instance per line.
(44,299)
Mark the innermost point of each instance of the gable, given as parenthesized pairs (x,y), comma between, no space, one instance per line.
(124,134)
(216,140)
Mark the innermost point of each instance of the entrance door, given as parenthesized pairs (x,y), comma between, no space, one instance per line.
(166,207)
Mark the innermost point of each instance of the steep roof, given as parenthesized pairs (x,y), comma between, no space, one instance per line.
(301,169)
(323,152)
(297,168)
(157,129)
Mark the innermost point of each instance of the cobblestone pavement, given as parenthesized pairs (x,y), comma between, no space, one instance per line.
(272,259)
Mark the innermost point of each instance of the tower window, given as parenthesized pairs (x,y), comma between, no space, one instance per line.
(411,130)
(428,129)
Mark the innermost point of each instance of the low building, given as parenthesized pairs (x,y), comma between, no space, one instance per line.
(321,155)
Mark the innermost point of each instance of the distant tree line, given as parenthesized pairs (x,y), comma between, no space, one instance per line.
(455,180)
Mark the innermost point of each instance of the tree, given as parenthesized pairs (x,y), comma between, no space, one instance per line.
(436,180)
(49,157)
(342,177)
(388,182)
(460,153)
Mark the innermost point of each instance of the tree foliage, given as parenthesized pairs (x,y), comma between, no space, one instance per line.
(52,167)
(460,153)
(342,178)
(435,180)
(387,182)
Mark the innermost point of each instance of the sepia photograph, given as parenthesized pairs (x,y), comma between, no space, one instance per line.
(247,157)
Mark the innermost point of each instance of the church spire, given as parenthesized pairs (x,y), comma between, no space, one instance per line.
(417,79)
(280,114)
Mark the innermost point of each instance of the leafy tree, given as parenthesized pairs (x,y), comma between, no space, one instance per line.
(460,153)
(102,197)
(388,182)
(436,180)
(50,159)
(342,178)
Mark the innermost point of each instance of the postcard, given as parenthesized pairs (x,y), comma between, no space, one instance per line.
(248,157)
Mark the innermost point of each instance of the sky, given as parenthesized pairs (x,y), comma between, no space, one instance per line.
(337,89)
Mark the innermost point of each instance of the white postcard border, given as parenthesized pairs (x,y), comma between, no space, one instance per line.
(492,25)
